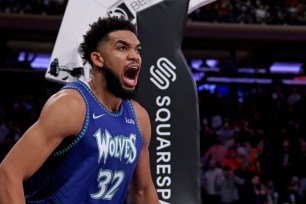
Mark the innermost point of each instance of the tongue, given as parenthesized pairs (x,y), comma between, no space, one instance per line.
(129,82)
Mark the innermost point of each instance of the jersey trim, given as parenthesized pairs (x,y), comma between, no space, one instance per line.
(133,111)
(83,130)
(114,114)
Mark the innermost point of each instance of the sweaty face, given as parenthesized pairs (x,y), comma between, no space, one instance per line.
(121,62)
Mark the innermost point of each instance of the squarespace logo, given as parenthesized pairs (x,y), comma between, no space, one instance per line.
(162,75)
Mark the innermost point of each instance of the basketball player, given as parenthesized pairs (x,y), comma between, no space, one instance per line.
(90,143)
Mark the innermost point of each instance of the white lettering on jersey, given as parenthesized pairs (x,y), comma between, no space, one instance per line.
(117,147)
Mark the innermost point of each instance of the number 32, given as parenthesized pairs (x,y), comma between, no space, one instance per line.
(108,184)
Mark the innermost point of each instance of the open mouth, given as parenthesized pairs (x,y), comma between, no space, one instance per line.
(131,75)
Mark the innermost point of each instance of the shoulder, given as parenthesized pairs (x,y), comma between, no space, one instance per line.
(140,111)
(67,109)
(65,100)
(143,120)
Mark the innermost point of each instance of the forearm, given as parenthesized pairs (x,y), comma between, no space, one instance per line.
(148,196)
(11,190)
(11,195)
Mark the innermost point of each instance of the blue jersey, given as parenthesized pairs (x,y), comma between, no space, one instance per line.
(97,165)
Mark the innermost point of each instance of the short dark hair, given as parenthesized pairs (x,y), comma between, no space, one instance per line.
(99,31)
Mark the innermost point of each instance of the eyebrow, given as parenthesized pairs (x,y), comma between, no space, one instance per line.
(126,43)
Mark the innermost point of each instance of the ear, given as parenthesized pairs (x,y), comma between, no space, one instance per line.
(97,59)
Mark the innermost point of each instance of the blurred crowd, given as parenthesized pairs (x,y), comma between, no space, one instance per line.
(291,12)
(254,150)
(49,7)
(21,101)
(253,145)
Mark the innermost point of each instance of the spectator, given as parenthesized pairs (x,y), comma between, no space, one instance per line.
(261,14)
(293,97)
(225,133)
(292,194)
(272,193)
(228,186)
(232,160)
(284,166)
(301,168)
(212,180)
(254,192)
(216,151)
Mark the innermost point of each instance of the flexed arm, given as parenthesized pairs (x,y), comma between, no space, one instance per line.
(62,116)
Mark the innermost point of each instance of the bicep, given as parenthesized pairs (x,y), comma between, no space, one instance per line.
(40,140)
(142,175)
(30,152)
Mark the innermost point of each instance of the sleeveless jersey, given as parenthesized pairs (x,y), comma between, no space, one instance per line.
(97,165)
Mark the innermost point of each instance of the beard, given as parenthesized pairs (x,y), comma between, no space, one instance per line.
(114,86)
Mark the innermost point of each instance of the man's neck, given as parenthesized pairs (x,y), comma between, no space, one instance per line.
(109,101)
